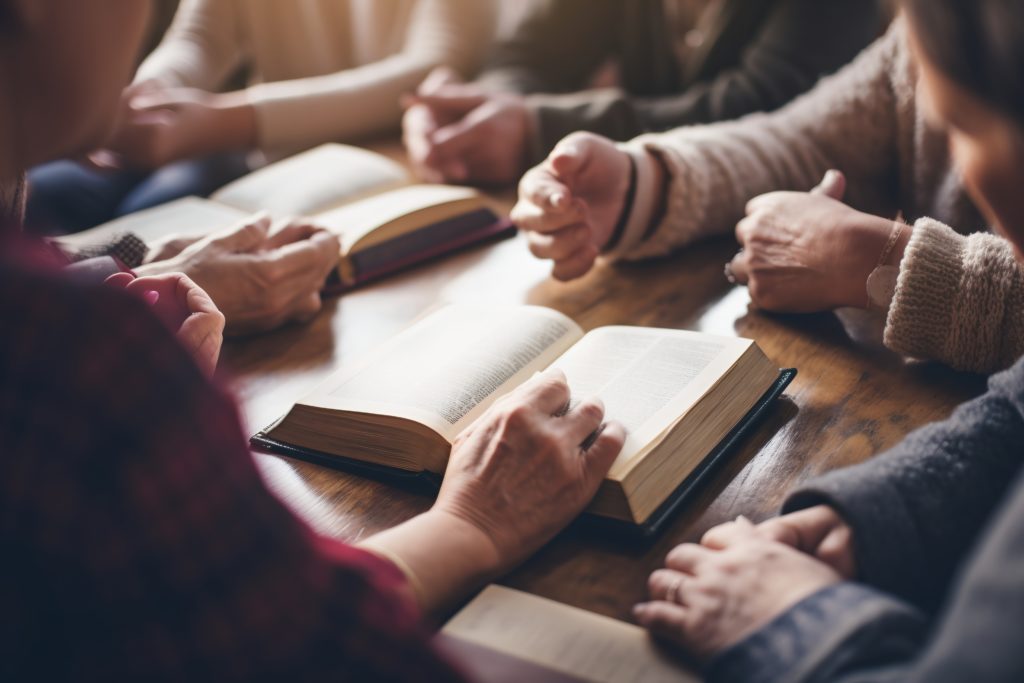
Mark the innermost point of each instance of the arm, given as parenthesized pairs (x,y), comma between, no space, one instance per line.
(849,633)
(848,121)
(200,49)
(917,510)
(795,44)
(175,551)
(556,48)
(364,100)
(959,300)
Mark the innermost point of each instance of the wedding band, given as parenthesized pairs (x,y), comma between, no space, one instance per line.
(672,595)
(729,275)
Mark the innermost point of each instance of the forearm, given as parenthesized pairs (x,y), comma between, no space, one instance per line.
(959,300)
(199,50)
(444,557)
(847,122)
(917,509)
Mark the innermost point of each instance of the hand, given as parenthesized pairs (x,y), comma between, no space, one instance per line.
(168,247)
(459,134)
(571,202)
(818,531)
(171,124)
(260,278)
(519,473)
(808,252)
(709,598)
(184,308)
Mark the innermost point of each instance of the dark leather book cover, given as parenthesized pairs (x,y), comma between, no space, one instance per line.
(648,530)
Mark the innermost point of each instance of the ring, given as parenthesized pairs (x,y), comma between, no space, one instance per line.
(729,275)
(672,594)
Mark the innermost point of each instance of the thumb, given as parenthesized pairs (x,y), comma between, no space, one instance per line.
(247,236)
(567,159)
(832,185)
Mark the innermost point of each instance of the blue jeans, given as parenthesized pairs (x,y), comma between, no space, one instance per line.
(66,196)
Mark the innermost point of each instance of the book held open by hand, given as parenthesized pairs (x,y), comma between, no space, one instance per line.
(384,221)
(680,395)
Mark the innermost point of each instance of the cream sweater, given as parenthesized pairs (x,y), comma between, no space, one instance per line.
(321,70)
(959,299)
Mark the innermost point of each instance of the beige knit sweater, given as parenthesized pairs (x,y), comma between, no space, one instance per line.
(321,70)
(959,299)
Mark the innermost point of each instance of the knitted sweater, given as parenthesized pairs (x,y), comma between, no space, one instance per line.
(958,298)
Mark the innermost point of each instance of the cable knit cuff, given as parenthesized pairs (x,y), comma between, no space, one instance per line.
(683,214)
(955,298)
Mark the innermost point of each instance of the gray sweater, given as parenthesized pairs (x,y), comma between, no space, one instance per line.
(938,527)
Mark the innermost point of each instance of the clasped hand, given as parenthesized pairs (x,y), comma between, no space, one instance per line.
(740,576)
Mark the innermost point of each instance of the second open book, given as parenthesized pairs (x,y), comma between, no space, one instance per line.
(678,393)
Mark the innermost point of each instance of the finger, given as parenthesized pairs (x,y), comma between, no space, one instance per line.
(687,557)
(832,185)
(746,227)
(601,454)
(244,237)
(288,232)
(545,206)
(730,533)
(665,619)
(666,584)
(561,244)
(576,265)
(568,158)
(779,530)
(307,307)
(740,268)
(452,145)
(119,280)
(450,99)
(547,391)
(315,256)
(583,419)
(440,76)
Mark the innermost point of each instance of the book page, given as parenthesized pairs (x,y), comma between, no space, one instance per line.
(446,369)
(648,378)
(186,217)
(567,639)
(313,181)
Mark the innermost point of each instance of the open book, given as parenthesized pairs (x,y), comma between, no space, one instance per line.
(679,395)
(385,222)
(507,635)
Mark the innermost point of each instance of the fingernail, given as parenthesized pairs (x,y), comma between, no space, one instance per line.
(151,297)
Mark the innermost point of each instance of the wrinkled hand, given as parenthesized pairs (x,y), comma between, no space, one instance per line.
(818,531)
(808,252)
(570,203)
(519,474)
(165,125)
(455,132)
(259,277)
(711,596)
(184,308)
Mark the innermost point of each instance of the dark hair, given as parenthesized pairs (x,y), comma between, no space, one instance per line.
(979,44)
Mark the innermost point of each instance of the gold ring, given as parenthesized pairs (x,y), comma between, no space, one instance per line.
(672,595)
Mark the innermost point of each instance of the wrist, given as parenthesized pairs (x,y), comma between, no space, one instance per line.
(236,117)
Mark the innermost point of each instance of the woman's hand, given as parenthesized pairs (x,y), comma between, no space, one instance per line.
(571,202)
(818,531)
(516,477)
(520,472)
(184,308)
(259,275)
(709,598)
(804,252)
(158,127)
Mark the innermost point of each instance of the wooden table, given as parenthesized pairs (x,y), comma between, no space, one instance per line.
(849,401)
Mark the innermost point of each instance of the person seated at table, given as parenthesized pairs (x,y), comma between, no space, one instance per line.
(830,241)
(907,567)
(319,71)
(673,63)
(139,540)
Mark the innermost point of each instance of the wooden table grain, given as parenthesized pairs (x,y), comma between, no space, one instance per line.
(851,399)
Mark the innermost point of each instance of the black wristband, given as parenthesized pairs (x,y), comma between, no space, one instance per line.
(627,208)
